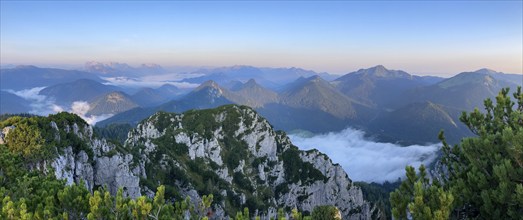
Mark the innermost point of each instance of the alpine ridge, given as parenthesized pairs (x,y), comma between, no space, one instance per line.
(230,152)
(234,153)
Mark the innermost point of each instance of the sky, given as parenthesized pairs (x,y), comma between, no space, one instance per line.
(428,37)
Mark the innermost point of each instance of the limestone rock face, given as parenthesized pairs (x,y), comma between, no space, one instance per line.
(102,168)
(230,152)
(114,172)
(244,161)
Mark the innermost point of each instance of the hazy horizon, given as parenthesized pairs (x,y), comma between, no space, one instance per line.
(422,38)
(191,69)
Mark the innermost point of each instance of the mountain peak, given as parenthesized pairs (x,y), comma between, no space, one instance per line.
(209,83)
(205,135)
(381,71)
(479,78)
(379,68)
(315,77)
(168,86)
(115,96)
(486,71)
(251,82)
(111,103)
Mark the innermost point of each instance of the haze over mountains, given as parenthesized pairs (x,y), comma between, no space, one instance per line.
(118,69)
(390,105)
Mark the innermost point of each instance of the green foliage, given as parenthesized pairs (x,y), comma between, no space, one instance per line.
(116,132)
(75,202)
(326,212)
(66,118)
(296,169)
(11,166)
(378,195)
(480,178)
(36,140)
(4,118)
(26,139)
(296,215)
(243,215)
(485,172)
(424,200)
(234,152)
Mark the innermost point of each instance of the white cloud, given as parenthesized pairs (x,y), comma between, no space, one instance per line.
(153,82)
(81,108)
(43,105)
(40,104)
(57,108)
(29,94)
(365,160)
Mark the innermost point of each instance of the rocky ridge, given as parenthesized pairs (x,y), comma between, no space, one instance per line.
(99,165)
(230,152)
(247,163)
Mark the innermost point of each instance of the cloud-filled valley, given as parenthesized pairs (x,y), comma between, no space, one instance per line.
(43,105)
(365,160)
(153,81)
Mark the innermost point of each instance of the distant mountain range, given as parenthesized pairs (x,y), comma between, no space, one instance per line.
(464,91)
(390,105)
(147,97)
(418,123)
(119,69)
(272,78)
(27,77)
(378,86)
(78,90)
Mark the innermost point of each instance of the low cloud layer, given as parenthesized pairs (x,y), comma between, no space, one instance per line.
(81,108)
(365,160)
(43,105)
(153,82)
(40,104)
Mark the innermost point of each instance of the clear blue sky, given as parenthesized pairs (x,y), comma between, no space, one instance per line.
(420,37)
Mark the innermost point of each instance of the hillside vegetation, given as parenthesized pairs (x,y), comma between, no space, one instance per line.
(481,178)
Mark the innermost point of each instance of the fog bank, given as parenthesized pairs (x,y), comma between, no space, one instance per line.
(43,105)
(365,160)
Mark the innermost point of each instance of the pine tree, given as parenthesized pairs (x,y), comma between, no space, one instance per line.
(486,172)
(482,177)
(74,201)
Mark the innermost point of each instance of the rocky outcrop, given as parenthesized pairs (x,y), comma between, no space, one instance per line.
(338,191)
(115,172)
(4,132)
(105,167)
(259,167)
(230,152)
(74,168)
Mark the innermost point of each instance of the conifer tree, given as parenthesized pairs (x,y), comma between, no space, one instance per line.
(482,177)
